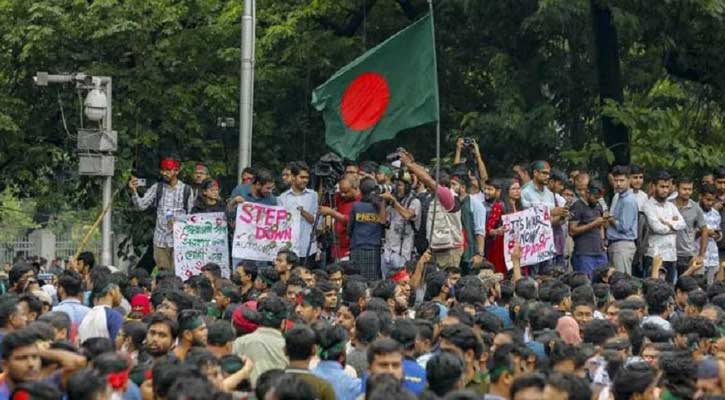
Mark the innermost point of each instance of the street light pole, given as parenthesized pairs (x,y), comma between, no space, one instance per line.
(246,87)
(106,255)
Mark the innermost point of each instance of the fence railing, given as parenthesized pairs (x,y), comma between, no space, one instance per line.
(20,247)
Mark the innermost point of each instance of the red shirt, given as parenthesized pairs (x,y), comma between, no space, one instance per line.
(343,241)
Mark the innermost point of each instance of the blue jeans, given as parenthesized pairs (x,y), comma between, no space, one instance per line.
(587,264)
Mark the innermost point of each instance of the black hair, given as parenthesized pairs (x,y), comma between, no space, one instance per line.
(8,307)
(71,282)
(444,371)
(558,292)
(165,373)
(428,311)
(425,329)
(463,337)
(632,378)
(87,258)
(459,312)
(562,352)
(266,381)
(385,290)
(325,286)
(220,333)
(110,362)
(314,297)
(434,284)
(293,387)
(598,331)
(17,272)
(686,284)
(249,269)
(135,330)
(185,317)
(620,170)
(684,179)
(37,390)
(86,384)
(273,310)
(404,332)
(59,320)
(635,169)
(662,175)
(697,298)
(533,380)
(708,189)
(15,340)
(658,298)
(576,279)
(268,275)
(263,176)
(300,342)
(601,294)
(214,268)
(526,289)
(543,316)
(501,361)
(42,330)
(34,303)
(383,346)
(331,342)
(289,256)
(679,370)
(701,326)
(583,294)
(488,322)
(191,389)
(656,334)
(159,318)
(96,346)
(182,300)
(577,388)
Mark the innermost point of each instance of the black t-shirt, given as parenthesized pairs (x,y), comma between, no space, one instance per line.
(589,243)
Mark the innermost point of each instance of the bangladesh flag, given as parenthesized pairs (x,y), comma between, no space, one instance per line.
(391,87)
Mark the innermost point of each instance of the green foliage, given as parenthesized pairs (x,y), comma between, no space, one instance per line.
(16,215)
(519,76)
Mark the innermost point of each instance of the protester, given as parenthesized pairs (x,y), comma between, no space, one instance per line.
(302,204)
(171,198)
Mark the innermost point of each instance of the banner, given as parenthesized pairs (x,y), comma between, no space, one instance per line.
(261,232)
(200,239)
(532,229)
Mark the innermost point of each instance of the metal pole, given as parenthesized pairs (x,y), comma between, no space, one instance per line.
(106,253)
(438,121)
(246,89)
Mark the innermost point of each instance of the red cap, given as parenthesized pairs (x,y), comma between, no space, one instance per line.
(400,275)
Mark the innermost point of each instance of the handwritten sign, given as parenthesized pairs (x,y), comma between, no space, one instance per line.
(532,229)
(200,239)
(261,232)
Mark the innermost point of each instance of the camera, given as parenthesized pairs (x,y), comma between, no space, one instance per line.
(141,182)
(394,156)
(328,170)
(468,141)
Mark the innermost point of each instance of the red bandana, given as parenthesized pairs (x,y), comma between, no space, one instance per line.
(169,163)
(118,380)
(400,275)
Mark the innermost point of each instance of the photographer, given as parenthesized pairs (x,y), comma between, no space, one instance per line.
(471,146)
(365,228)
(473,219)
(404,211)
(447,238)
(346,196)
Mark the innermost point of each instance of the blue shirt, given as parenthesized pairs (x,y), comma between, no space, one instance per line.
(75,310)
(502,313)
(301,229)
(625,213)
(246,192)
(345,386)
(414,378)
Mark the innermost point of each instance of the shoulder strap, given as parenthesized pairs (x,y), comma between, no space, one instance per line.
(187,194)
(159,190)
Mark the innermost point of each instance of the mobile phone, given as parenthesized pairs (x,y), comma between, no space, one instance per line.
(141,182)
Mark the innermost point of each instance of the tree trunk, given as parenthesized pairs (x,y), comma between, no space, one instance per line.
(609,74)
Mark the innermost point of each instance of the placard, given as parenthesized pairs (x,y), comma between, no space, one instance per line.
(532,229)
(261,232)
(200,239)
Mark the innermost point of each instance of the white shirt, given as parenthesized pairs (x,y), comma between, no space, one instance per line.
(301,229)
(663,239)
(712,258)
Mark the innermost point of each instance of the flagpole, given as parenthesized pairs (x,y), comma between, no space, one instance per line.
(438,123)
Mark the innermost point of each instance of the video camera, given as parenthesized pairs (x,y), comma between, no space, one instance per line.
(329,169)
(394,156)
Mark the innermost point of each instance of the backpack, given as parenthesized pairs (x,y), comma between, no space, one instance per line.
(187,194)
(447,233)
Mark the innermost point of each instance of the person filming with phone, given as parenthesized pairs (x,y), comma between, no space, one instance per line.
(585,226)
(172,198)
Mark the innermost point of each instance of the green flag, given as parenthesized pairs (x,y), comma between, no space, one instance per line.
(391,87)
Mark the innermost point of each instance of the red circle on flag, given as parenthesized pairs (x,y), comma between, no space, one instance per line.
(365,100)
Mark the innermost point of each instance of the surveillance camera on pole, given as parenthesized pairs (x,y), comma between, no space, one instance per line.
(95,145)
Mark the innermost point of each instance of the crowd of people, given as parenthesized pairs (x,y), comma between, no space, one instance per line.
(396,286)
